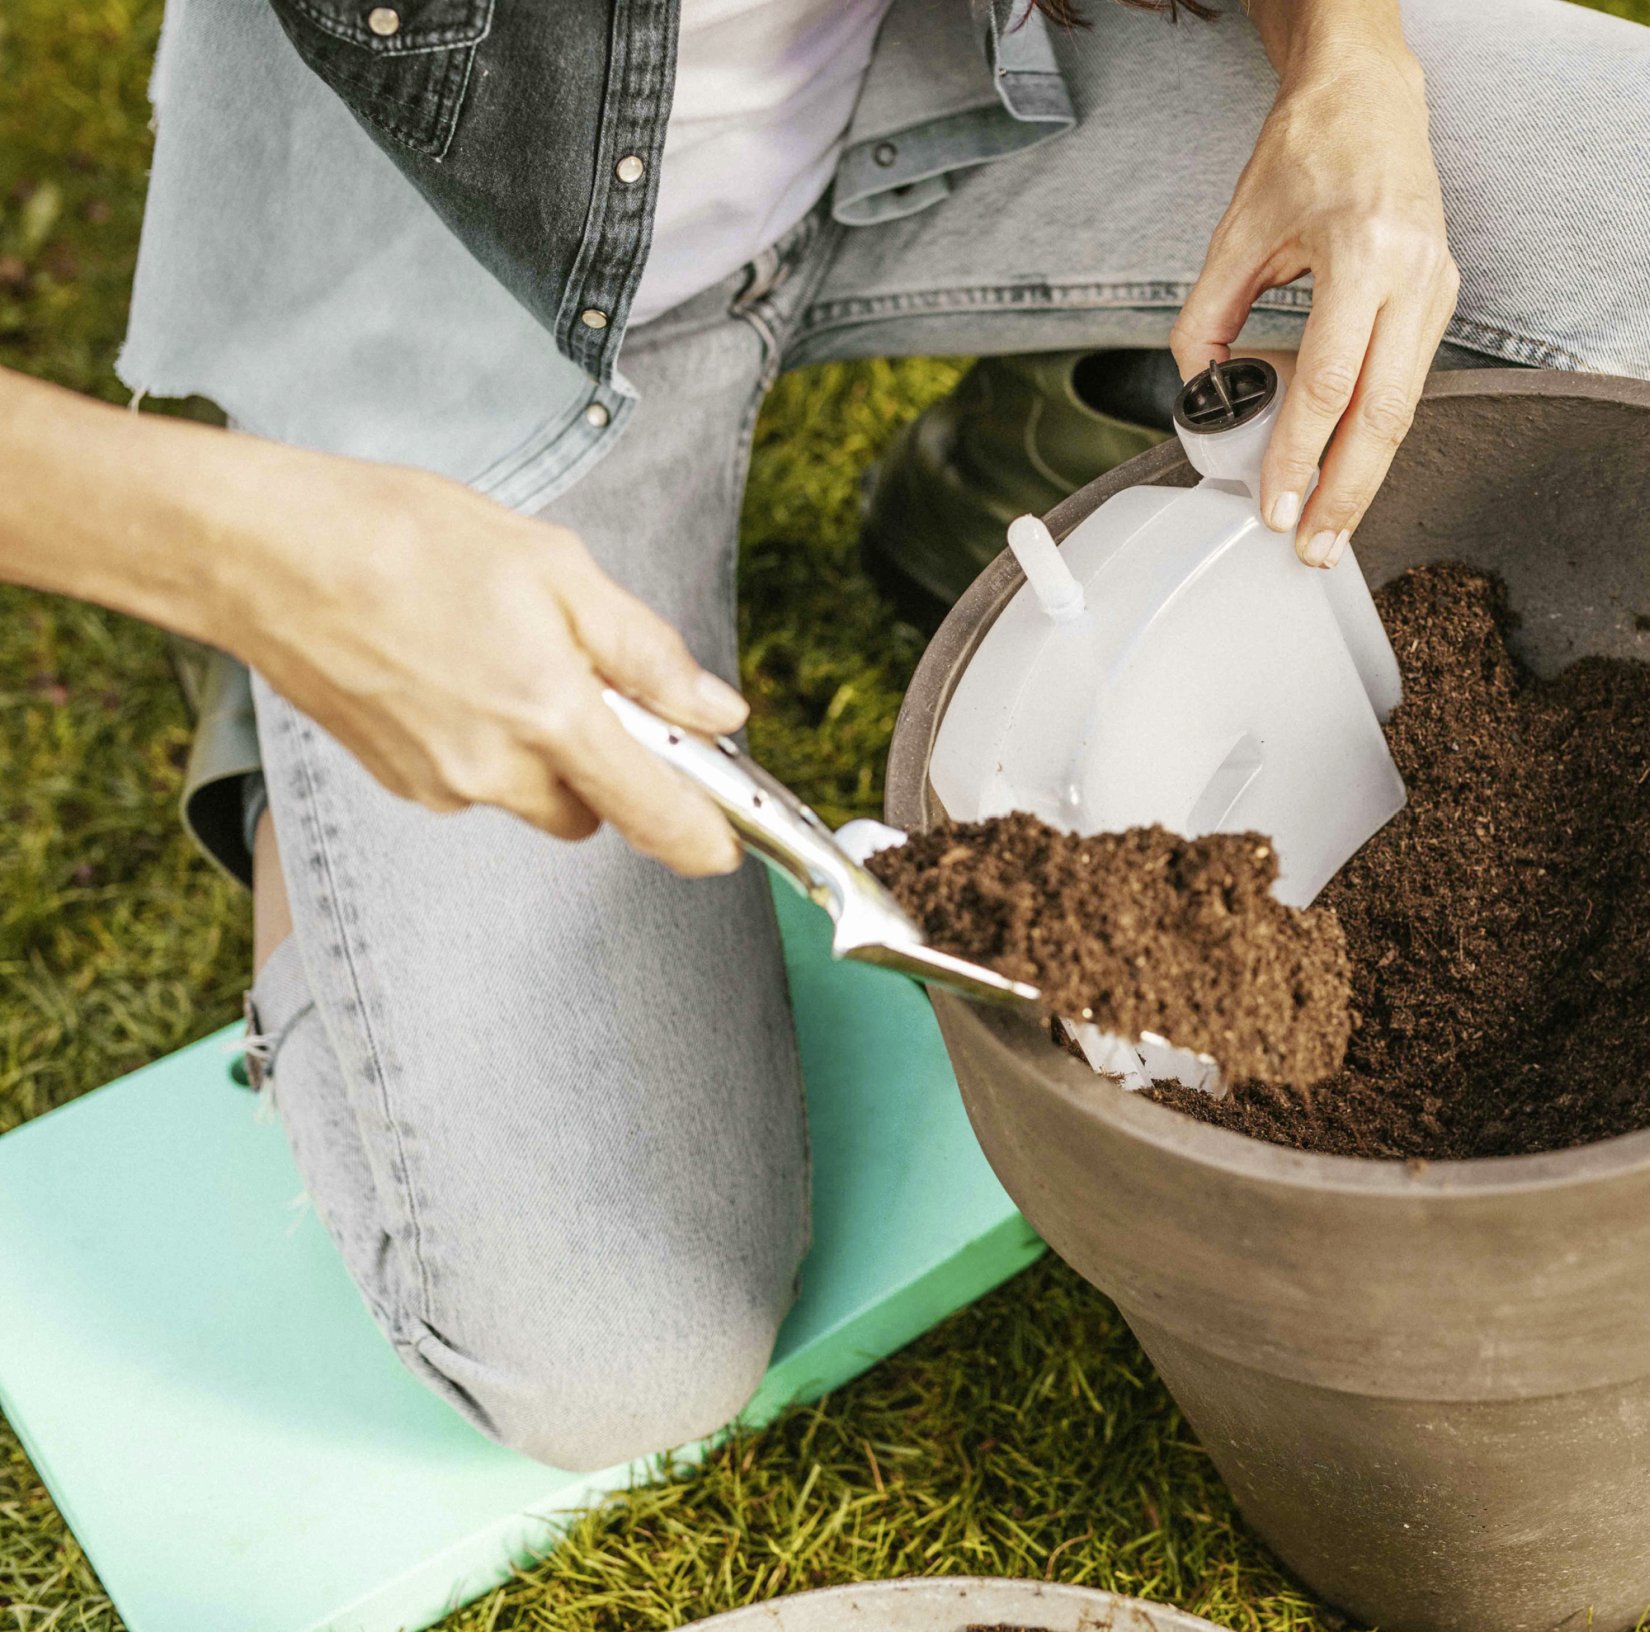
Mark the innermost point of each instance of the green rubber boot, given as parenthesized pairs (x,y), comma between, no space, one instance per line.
(1016,435)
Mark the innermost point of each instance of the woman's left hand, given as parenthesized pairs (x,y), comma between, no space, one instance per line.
(1342,185)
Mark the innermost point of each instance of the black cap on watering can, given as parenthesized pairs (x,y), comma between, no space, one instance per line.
(1225,395)
(1224,416)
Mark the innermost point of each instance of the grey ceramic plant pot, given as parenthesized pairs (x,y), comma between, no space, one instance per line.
(959,1604)
(1428,1388)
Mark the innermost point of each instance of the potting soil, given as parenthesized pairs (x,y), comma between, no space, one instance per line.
(1144,930)
(1499,926)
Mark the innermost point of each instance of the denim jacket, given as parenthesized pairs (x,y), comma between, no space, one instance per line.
(535,132)
(328,174)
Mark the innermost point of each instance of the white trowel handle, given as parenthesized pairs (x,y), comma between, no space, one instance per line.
(774,824)
(770,820)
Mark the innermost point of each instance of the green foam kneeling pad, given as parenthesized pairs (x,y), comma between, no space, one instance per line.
(235,1444)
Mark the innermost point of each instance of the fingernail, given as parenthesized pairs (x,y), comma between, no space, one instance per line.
(724,707)
(1339,550)
(1286,511)
(1316,553)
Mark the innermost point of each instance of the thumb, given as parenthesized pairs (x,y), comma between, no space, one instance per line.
(638,653)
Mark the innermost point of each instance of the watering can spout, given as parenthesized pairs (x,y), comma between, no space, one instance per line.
(1224,418)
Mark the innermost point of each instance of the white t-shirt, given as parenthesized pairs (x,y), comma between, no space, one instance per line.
(764,93)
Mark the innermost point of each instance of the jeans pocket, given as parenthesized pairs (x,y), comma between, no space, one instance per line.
(403,68)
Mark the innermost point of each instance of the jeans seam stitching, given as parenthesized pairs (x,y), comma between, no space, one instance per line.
(1545,351)
(965,297)
(825,315)
(809,261)
(301,732)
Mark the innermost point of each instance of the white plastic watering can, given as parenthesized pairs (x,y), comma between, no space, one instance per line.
(1173,661)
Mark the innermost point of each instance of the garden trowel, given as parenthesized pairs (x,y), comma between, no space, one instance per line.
(828,868)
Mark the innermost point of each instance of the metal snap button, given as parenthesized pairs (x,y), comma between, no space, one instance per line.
(885,153)
(384,21)
(596,414)
(629,169)
(591,318)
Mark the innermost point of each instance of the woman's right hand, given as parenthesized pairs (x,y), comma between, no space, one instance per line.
(456,649)
(459,650)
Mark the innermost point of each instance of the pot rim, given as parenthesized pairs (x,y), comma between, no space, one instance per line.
(1208,1146)
(1001,1594)
(909,802)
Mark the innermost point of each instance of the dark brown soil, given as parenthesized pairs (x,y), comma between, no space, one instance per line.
(1499,927)
(1141,931)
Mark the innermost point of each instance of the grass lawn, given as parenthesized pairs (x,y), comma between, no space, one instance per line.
(1026,1436)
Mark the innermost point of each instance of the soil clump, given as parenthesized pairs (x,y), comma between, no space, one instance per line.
(1144,930)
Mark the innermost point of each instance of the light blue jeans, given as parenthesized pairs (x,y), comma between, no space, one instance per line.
(546,1097)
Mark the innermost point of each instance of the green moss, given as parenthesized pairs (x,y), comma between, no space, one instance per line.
(1027,1436)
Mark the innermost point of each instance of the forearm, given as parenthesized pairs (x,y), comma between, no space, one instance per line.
(101,504)
(1310,38)
(458,650)
(1341,185)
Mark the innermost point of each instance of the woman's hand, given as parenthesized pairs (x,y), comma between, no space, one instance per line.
(459,651)
(1342,185)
